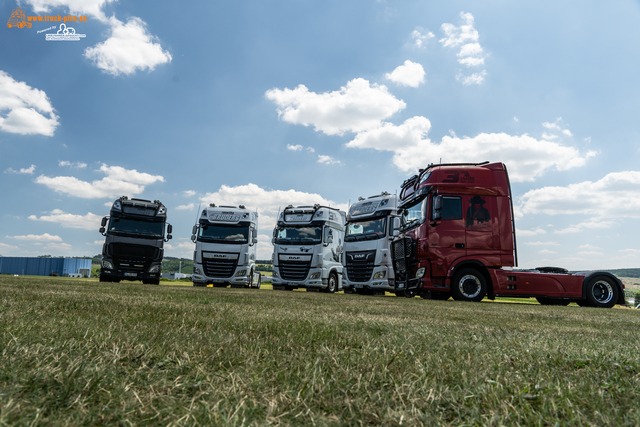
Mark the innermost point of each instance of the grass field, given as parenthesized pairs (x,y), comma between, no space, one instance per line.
(84,353)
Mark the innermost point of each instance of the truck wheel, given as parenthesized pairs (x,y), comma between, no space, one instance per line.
(468,285)
(332,283)
(259,281)
(602,292)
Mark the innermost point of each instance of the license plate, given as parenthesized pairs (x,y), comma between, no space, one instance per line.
(131,274)
(358,285)
(294,283)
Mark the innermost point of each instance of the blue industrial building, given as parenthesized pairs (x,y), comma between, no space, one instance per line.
(26,266)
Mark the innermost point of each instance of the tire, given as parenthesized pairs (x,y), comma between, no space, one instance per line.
(552,301)
(602,292)
(259,281)
(468,285)
(332,283)
(251,279)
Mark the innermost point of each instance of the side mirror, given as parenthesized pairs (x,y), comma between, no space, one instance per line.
(396,223)
(437,208)
(254,234)
(273,241)
(193,238)
(101,230)
(329,240)
(194,230)
(104,221)
(169,229)
(254,240)
(169,236)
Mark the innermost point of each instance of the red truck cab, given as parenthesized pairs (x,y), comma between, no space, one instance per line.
(457,232)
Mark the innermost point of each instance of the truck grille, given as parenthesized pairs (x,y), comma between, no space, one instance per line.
(403,253)
(133,257)
(294,270)
(222,268)
(360,265)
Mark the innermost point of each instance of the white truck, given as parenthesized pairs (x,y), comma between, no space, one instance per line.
(307,249)
(367,243)
(226,242)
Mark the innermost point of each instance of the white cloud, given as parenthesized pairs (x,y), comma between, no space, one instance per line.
(473,79)
(294,147)
(527,233)
(78,7)
(25,110)
(526,157)
(129,48)
(8,248)
(28,170)
(355,107)
(470,49)
(588,247)
(77,165)
(188,207)
(118,181)
(420,37)
(189,193)
(547,251)
(67,220)
(410,74)
(590,253)
(46,237)
(328,160)
(311,149)
(179,249)
(456,36)
(612,198)
(542,243)
(555,126)
(515,119)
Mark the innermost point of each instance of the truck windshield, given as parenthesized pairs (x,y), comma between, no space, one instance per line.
(235,234)
(298,235)
(413,215)
(366,230)
(126,226)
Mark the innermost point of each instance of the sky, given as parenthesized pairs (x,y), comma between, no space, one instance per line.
(271,103)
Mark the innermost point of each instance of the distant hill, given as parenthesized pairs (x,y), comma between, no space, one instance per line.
(626,272)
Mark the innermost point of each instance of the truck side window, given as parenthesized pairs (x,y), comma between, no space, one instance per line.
(448,208)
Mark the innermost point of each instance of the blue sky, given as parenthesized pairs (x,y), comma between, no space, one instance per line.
(293,102)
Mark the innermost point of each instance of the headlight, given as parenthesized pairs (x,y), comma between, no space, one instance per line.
(197,270)
(380,275)
(117,205)
(162,211)
(107,265)
(314,276)
(241,273)
(155,269)
(420,272)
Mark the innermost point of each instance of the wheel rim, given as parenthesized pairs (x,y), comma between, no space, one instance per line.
(332,283)
(602,291)
(470,286)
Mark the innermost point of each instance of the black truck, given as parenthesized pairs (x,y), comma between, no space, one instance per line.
(133,241)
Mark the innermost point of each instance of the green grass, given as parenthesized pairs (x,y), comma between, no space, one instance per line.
(84,353)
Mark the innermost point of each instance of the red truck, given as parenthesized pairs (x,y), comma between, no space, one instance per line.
(456,232)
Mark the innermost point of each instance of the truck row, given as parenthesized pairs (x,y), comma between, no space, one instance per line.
(449,233)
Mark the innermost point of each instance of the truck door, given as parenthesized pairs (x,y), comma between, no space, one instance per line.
(481,223)
(446,240)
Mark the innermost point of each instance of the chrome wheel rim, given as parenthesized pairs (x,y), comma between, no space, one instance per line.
(470,286)
(332,283)
(602,291)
